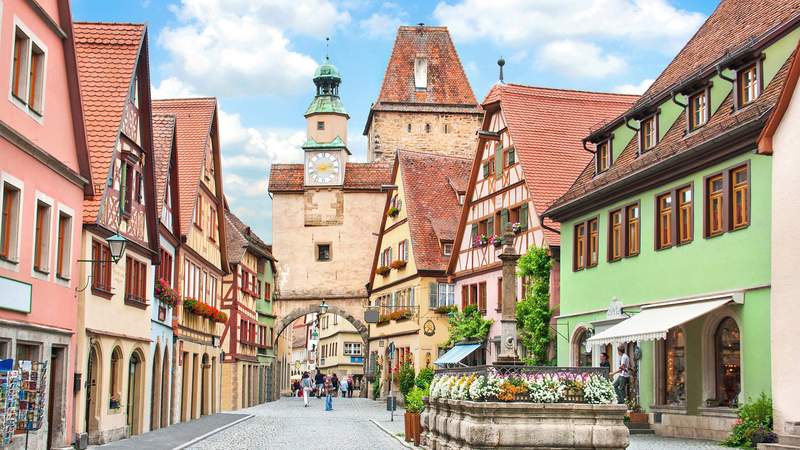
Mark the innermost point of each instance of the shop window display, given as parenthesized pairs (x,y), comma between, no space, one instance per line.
(675,368)
(728,363)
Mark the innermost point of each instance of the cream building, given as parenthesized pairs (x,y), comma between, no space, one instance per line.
(341,349)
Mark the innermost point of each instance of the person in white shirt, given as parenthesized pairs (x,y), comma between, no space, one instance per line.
(624,378)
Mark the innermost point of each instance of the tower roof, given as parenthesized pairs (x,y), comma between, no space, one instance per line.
(327,70)
(326,101)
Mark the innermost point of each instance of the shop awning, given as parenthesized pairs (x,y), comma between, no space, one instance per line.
(456,354)
(656,320)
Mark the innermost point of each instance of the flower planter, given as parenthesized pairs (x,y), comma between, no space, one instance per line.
(383,271)
(638,417)
(413,427)
(497,241)
(398,264)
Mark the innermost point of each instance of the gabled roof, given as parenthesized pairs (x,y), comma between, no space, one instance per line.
(194,118)
(789,87)
(447,81)
(241,238)
(163,134)
(106,54)
(357,177)
(432,208)
(546,126)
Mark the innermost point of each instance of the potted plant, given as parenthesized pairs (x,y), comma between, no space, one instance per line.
(166,295)
(414,407)
(497,241)
(383,270)
(481,241)
(445,309)
(383,319)
(516,228)
(393,211)
(635,412)
(398,264)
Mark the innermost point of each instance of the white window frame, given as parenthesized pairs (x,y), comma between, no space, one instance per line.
(446,294)
(48,234)
(421,73)
(349,349)
(32,39)
(445,245)
(69,239)
(5,177)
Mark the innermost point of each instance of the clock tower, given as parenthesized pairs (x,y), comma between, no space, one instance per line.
(326,130)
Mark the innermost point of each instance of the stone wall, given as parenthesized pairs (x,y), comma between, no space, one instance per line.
(459,424)
(450,134)
(711,425)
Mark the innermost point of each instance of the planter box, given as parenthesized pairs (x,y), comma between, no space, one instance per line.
(459,424)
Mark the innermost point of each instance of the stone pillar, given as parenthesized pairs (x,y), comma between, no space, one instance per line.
(508,321)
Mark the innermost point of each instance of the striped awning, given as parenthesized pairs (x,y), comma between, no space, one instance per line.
(456,354)
(656,320)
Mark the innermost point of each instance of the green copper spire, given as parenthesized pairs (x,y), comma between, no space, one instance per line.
(327,79)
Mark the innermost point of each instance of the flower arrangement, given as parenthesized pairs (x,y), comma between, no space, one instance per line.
(497,241)
(398,264)
(445,309)
(383,319)
(166,295)
(399,314)
(480,241)
(383,270)
(538,387)
(393,211)
(204,310)
(516,227)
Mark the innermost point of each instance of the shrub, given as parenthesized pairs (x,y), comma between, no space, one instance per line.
(414,403)
(468,326)
(424,379)
(754,424)
(533,311)
(406,378)
(376,386)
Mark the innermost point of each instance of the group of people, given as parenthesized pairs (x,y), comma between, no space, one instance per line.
(327,386)
(624,370)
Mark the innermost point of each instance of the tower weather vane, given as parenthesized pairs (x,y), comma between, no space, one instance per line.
(327,48)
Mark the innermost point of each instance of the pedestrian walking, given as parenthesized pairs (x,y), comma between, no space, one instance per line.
(319,381)
(351,386)
(624,378)
(335,383)
(343,387)
(305,383)
(604,360)
(328,386)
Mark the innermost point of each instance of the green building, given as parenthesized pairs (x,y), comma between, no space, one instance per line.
(665,235)
(268,367)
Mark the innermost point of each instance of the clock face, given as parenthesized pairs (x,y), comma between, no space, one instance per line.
(323,168)
(429,328)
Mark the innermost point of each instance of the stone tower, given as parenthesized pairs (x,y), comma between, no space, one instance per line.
(425,103)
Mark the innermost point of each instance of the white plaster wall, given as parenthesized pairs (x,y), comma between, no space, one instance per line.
(785,262)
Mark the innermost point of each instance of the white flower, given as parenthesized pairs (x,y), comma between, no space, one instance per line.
(546,390)
(599,390)
(476,388)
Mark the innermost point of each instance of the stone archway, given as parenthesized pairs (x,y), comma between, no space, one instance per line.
(313,308)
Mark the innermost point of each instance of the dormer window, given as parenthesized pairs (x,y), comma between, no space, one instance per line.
(748,86)
(603,156)
(447,248)
(648,134)
(421,73)
(320,125)
(461,197)
(698,109)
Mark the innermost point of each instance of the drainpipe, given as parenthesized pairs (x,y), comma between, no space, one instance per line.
(627,119)
(723,76)
(583,143)
(674,96)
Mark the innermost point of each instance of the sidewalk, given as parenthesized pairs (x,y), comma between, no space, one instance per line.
(179,435)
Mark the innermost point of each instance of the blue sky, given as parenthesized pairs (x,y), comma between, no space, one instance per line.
(258,56)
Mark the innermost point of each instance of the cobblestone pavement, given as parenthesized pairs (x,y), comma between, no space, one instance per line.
(286,424)
(651,442)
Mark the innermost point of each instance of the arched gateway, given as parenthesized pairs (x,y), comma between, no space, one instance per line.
(350,309)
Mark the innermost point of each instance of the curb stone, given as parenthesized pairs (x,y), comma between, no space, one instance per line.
(214,431)
(402,441)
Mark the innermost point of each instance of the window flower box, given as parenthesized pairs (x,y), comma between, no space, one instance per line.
(207,311)
(497,241)
(166,295)
(398,264)
(383,319)
(445,309)
(480,241)
(400,314)
(393,212)
(383,270)
(516,227)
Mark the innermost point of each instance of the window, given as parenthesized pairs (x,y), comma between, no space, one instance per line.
(408,128)
(603,156)
(446,129)
(198,212)
(586,245)
(446,294)
(461,197)
(685,215)
(727,362)
(447,248)
(427,128)
(9,228)
(615,236)
(580,247)
(593,243)
(135,279)
(64,245)
(509,157)
(115,387)
(386,257)
(352,348)
(139,188)
(499,295)
(323,252)
(27,77)
(698,109)
(164,271)
(41,245)
(633,229)
(421,73)
(402,250)
(27,352)
(320,125)
(581,356)
(212,223)
(101,268)
(664,221)
(482,297)
(747,85)
(126,188)
(648,134)
(727,200)
(675,368)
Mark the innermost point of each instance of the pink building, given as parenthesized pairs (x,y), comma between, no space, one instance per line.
(43,176)
(524,162)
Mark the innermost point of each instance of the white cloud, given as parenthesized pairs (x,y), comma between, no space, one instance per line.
(524,22)
(634,88)
(171,88)
(580,59)
(380,25)
(241,47)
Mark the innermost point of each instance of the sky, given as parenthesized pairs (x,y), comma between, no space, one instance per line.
(258,57)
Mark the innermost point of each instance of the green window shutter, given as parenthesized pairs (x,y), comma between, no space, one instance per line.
(511,156)
(523,216)
(485,169)
(498,162)
(123,188)
(503,220)
(490,227)
(405,251)
(474,232)
(433,294)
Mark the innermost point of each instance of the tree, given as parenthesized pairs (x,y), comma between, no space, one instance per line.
(468,325)
(533,311)
(406,378)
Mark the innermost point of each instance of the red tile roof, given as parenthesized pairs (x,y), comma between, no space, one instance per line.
(240,237)
(194,118)
(546,126)
(447,82)
(163,132)
(357,176)
(106,54)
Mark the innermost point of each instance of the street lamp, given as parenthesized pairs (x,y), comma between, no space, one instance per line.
(323,308)
(116,244)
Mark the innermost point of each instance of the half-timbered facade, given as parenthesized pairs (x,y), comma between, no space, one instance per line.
(115,354)
(519,168)
(245,338)
(408,283)
(201,258)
